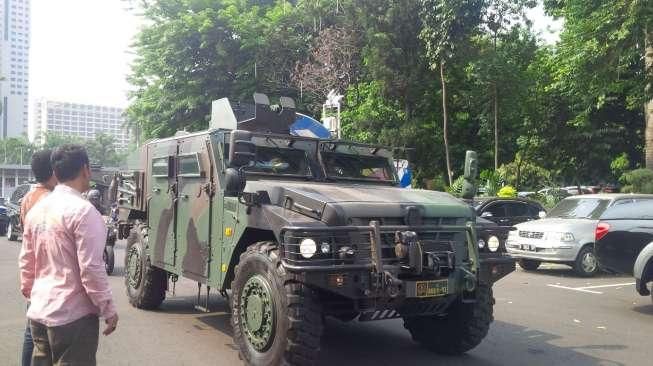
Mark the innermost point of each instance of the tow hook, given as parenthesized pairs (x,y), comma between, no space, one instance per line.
(392,284)
(469,281)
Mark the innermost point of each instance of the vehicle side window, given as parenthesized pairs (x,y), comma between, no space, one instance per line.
(189,165)
(517,209)
(533,211)
(160,167)
(497,209)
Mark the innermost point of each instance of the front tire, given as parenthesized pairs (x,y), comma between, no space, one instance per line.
(275,318)
(146,285)
(460,330)
(586,264)
(529,264)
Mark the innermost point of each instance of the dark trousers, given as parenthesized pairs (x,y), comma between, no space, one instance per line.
(28,346)
(73,344)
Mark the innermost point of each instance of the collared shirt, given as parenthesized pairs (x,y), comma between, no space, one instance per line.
(61,266)
(34,195)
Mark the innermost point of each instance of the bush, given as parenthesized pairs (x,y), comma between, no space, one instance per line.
(549,200)
(507,192)
(531,176)
(637,181)
(491,181)
(456,187)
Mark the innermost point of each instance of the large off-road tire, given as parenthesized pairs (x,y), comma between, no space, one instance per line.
(462,328)
(529,264)
(11,233)
(109,259)
(146,285)
(276,319)
(586,264)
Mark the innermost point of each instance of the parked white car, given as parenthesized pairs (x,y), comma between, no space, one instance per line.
(566,235)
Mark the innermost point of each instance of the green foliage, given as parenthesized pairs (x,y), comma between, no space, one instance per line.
(620,165)
(548,200)
(491,181)
(507,192)
(525,175)
(456,187)
(637,181)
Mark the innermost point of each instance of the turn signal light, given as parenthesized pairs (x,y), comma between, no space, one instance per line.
(601,230)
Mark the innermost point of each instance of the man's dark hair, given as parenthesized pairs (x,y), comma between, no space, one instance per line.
(68,161)
(41,166)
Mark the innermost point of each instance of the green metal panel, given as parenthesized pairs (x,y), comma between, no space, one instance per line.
(194,169)
(161,211)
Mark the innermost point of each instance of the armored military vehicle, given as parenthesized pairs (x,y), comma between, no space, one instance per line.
(293,229)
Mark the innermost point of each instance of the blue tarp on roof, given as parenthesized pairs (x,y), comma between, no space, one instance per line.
(308,127)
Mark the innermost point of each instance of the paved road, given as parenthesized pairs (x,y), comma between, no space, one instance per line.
(543,318)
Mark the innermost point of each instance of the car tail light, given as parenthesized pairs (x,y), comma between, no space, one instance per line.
(601,229)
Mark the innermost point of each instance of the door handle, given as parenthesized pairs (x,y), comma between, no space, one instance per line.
(156,190)
(184,197)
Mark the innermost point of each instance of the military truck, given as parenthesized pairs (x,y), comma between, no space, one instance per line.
(293,229)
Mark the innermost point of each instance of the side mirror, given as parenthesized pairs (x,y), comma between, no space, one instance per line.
(234,182)
(541,214)
(470,174)
(486,214)
(242,150)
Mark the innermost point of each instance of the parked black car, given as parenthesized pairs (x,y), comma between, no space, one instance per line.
(508,211)
(4,219)
(624,242)
(15,226)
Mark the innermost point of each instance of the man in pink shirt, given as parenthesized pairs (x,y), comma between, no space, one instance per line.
(61,268)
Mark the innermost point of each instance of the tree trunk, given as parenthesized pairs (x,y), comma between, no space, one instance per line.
(648,110)
(496,127)
(445,122)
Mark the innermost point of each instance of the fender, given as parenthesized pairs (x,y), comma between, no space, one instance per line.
(643,269)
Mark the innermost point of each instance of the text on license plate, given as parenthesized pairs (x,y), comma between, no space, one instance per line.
(431,288)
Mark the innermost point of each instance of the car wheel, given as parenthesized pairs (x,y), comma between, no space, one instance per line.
(529,264)
(586,264)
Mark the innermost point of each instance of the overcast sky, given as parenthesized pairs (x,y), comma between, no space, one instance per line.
(80,49)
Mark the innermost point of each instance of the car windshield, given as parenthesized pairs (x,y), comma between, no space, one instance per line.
(357,167)
(281,161)
(579,208)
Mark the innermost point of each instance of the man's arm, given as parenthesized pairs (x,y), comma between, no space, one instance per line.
(27,263)
(90,237)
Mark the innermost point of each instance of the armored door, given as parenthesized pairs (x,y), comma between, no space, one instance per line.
(161,202)
(194,206)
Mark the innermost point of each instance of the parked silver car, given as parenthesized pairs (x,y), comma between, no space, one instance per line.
(566,235)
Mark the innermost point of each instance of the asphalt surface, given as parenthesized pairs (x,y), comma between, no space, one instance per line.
(549,317)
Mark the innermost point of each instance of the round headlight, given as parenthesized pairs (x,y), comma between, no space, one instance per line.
(481,243)
(493,243)
(307,248)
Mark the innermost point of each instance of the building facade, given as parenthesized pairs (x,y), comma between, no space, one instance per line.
(14,66)
(80,120)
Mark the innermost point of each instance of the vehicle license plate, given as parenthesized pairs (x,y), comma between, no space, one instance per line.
(432,288)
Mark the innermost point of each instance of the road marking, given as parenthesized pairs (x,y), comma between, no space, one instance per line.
(576,289)
(602,286)
(586,289)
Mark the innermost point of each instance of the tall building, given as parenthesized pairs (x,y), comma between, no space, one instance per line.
(80,120)
(14,66)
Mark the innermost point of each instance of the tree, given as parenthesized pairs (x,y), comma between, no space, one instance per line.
(447,26)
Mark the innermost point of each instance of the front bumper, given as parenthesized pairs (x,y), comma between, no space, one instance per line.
(371,273)
(543,251)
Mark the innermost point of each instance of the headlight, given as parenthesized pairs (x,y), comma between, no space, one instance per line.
(481,243)
(493,243)
(307,248)
(560,236)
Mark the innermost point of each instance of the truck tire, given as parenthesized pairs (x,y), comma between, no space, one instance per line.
(11,233)
(586,264)
(529,264)
(461,329)
(146,285)
(109,259)
(275,318)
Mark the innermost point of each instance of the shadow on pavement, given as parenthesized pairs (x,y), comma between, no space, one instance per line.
(564,271)
(644,309)
(389,344)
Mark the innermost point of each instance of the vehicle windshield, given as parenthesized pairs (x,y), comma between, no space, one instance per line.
(579,208)
(281,161)
(357,167)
